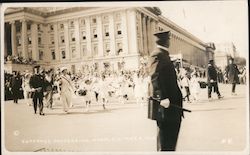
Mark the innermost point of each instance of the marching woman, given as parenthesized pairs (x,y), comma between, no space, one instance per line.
(66,90)
(138,91)
(87,87)
(194,86)
(103,85)
(26,87)
(145,87)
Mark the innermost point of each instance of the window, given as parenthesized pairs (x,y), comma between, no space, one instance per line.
(107,49)
(40,55)
(105,19)
(119,48)
(73,52)
(52,41)
(118,28)
(30,54)
(28,27)
(72,35)
(39,27)
(82,22)
(39,40)
(63,54)
(118,16)
(61,26)
(93,20)
(62,39)
(84,50)
(72,24)
(29,39)
(95,50)
(83,35)
(51,27)
(53,54)
(18,40)
(18,29)
(106,30)
(94,33)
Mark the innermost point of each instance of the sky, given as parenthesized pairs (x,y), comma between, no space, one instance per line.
(212,21)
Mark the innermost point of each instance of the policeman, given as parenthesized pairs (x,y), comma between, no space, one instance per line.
(37,86)
(165,90)
(212,78)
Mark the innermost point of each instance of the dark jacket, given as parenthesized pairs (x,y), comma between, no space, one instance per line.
(16,83)
(211,73)
(164,84)
(232,72)
(37,81)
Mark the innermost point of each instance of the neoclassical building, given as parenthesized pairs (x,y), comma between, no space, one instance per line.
(79,37)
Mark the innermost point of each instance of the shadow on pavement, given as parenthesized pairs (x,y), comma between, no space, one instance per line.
(218,109)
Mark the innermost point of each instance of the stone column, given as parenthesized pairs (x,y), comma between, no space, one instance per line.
(145,44)
(153,44)
(34,41)
(100,36)
(124,32)
(57,51)
(88,37)
(112,34)
(141,33)
(149,35)
(13,38)
(47,51)
(5,40)
(133,45)
(24,39)
(77,35)
(66,37)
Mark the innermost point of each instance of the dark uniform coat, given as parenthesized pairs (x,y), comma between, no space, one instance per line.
(37,81)
(211,73)
(232,72)
(164,85)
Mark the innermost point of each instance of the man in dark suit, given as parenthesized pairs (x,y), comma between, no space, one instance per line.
(232,73)
(212,78)
(165,90)
(37,86)
(16,85)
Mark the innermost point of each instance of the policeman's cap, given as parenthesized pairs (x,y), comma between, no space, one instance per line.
(162,34)
(210,61)
(36,66)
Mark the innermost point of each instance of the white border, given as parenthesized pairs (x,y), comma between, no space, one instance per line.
(102,4)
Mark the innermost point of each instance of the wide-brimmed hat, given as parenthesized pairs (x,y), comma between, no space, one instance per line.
(63,68)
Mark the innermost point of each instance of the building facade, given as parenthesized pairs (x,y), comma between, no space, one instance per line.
(85,37)
(223,52)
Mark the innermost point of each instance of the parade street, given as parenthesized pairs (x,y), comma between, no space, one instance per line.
(217,125)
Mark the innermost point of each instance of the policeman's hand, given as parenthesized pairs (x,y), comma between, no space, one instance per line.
(165,103)
(211,80)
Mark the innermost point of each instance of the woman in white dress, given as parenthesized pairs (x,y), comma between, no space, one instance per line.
(194,86)
(104,93)
(26,88)
(138,91)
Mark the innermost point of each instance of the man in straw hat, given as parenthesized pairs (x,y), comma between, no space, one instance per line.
(165,95)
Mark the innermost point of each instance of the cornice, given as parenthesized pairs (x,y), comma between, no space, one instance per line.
(180,30)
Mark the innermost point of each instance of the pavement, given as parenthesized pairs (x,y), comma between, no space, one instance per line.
(217,125)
